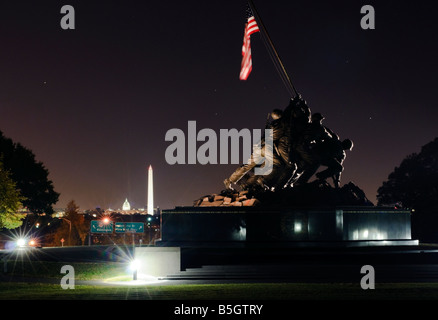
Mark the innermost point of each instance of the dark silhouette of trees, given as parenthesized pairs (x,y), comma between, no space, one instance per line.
(414,185)
(73,227)
(30,176)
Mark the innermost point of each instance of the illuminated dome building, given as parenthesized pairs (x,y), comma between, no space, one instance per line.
(126,206)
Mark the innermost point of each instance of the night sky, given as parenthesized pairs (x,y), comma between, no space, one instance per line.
(94,103)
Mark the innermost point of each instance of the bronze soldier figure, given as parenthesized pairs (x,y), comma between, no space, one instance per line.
(332,155)
(311,136)
(277,128)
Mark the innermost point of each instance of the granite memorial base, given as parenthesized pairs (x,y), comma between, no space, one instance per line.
(285,227)
(280,238)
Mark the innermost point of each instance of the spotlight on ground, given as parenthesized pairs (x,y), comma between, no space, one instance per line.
(134,266)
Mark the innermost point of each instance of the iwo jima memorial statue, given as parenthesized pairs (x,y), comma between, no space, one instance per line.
(286,207)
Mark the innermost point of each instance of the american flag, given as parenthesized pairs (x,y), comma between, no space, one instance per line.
(250,28)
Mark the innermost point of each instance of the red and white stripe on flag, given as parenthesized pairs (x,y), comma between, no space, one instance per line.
(246,65)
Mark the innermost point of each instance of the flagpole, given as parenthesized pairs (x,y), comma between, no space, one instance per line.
(271,44)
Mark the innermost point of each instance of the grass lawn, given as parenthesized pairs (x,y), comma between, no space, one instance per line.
(83,270)
(37,274)
(244,291)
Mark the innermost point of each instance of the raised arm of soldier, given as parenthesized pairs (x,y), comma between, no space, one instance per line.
(334,135)
(297,108)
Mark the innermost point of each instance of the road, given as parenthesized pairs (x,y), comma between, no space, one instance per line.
(75,253)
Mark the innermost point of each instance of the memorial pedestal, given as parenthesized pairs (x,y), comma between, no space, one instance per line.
(285,227)
(280,237)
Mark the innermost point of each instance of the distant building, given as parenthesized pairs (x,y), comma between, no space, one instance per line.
(126,205)
(127,209)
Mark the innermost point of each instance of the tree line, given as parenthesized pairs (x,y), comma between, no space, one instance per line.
(24,183)
(414,185)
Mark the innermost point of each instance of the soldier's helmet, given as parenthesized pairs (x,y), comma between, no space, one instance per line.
(347,144)
(317,117)
(276,113)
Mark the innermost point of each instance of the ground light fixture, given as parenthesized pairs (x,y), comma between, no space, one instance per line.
(133,266)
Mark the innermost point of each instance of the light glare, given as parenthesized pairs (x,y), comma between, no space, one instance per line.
(21,242)
(134,265)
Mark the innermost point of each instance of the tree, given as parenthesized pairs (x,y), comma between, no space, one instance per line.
(10,202)
(414,185)
(73,229)
(30,176)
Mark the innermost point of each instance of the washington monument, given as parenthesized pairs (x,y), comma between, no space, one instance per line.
(150,191)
